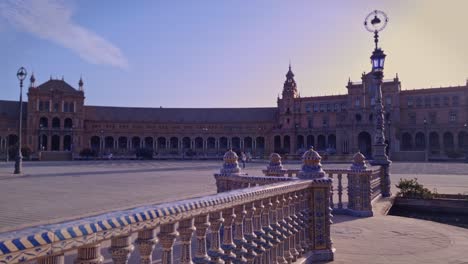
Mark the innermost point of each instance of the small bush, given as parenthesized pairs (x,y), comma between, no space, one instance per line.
(87,152)
(454,154)
(144,153)
(411,188)
(13,152)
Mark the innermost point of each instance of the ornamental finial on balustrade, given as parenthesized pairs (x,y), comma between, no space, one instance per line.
(311,167)
(359,162)
(275,167)
(230,165)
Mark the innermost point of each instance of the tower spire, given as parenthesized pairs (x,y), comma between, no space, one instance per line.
(32,80)
(81,83)
(289,88)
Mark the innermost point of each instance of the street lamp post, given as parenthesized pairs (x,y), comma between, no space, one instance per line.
(21,74)
(465,126)
(389,123)
(376,22)
(426,143)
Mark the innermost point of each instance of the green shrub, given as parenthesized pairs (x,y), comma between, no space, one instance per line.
(144,153)
(411,188)
(13,152)
(87,152)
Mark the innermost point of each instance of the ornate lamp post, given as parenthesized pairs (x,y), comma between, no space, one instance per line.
(465,126)
(375,22)
(426,141)
(21,74)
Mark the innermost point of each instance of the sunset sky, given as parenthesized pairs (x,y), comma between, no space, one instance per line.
(225,53)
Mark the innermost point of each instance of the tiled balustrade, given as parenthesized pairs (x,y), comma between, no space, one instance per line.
(284,222)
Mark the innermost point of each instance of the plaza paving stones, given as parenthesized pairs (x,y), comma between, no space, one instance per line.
(56,191)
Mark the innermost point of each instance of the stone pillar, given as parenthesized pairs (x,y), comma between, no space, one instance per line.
(89,254)
(249,233)
(146,242)
(239,239)
(120,249)
(261,243)
(359,190)
(266,234)
(186,229)
(317,208)
(56,259)
(215,251)
(228,245)
(201,224)
(167,236)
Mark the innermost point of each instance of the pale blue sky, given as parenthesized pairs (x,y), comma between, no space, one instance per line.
(225,53)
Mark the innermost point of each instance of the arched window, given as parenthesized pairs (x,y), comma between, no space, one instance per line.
(55,122)
(68,123)
(248,144)
(43,122)
(406,141)
(260,142)
(358,117)
(186,143)
(122,142)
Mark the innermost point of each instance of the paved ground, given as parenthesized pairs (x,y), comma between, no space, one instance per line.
(56,191)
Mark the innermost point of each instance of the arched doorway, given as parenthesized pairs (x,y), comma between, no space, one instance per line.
(161,143)
(42,143)
(95,143)
(248,144)
(223,143)
(277,143)
(406,141)
(300,142)
(199,143)
(420,141)
(149,142)
(109,142)
(12,140)
(321,142)
(448,141)
(122,142)
(310,141)
(136,142)
(365,144)
(211,143)
(174,143)
(463,141)
(235,141)
(260,143)
(287,144)
(434,143)
(332,141)
(67,143)
(55,144)
(186,143)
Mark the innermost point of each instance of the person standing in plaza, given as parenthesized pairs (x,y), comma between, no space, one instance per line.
(243,159)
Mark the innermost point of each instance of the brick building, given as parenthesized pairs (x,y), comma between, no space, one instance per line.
(419,123)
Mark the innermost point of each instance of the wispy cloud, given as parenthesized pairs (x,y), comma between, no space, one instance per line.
(52,20)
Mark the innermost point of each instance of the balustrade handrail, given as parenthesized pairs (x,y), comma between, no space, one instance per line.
(59,238)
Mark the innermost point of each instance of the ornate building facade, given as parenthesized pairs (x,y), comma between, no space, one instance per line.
(419,124)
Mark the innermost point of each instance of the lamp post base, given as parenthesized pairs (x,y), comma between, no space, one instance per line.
(18,165)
